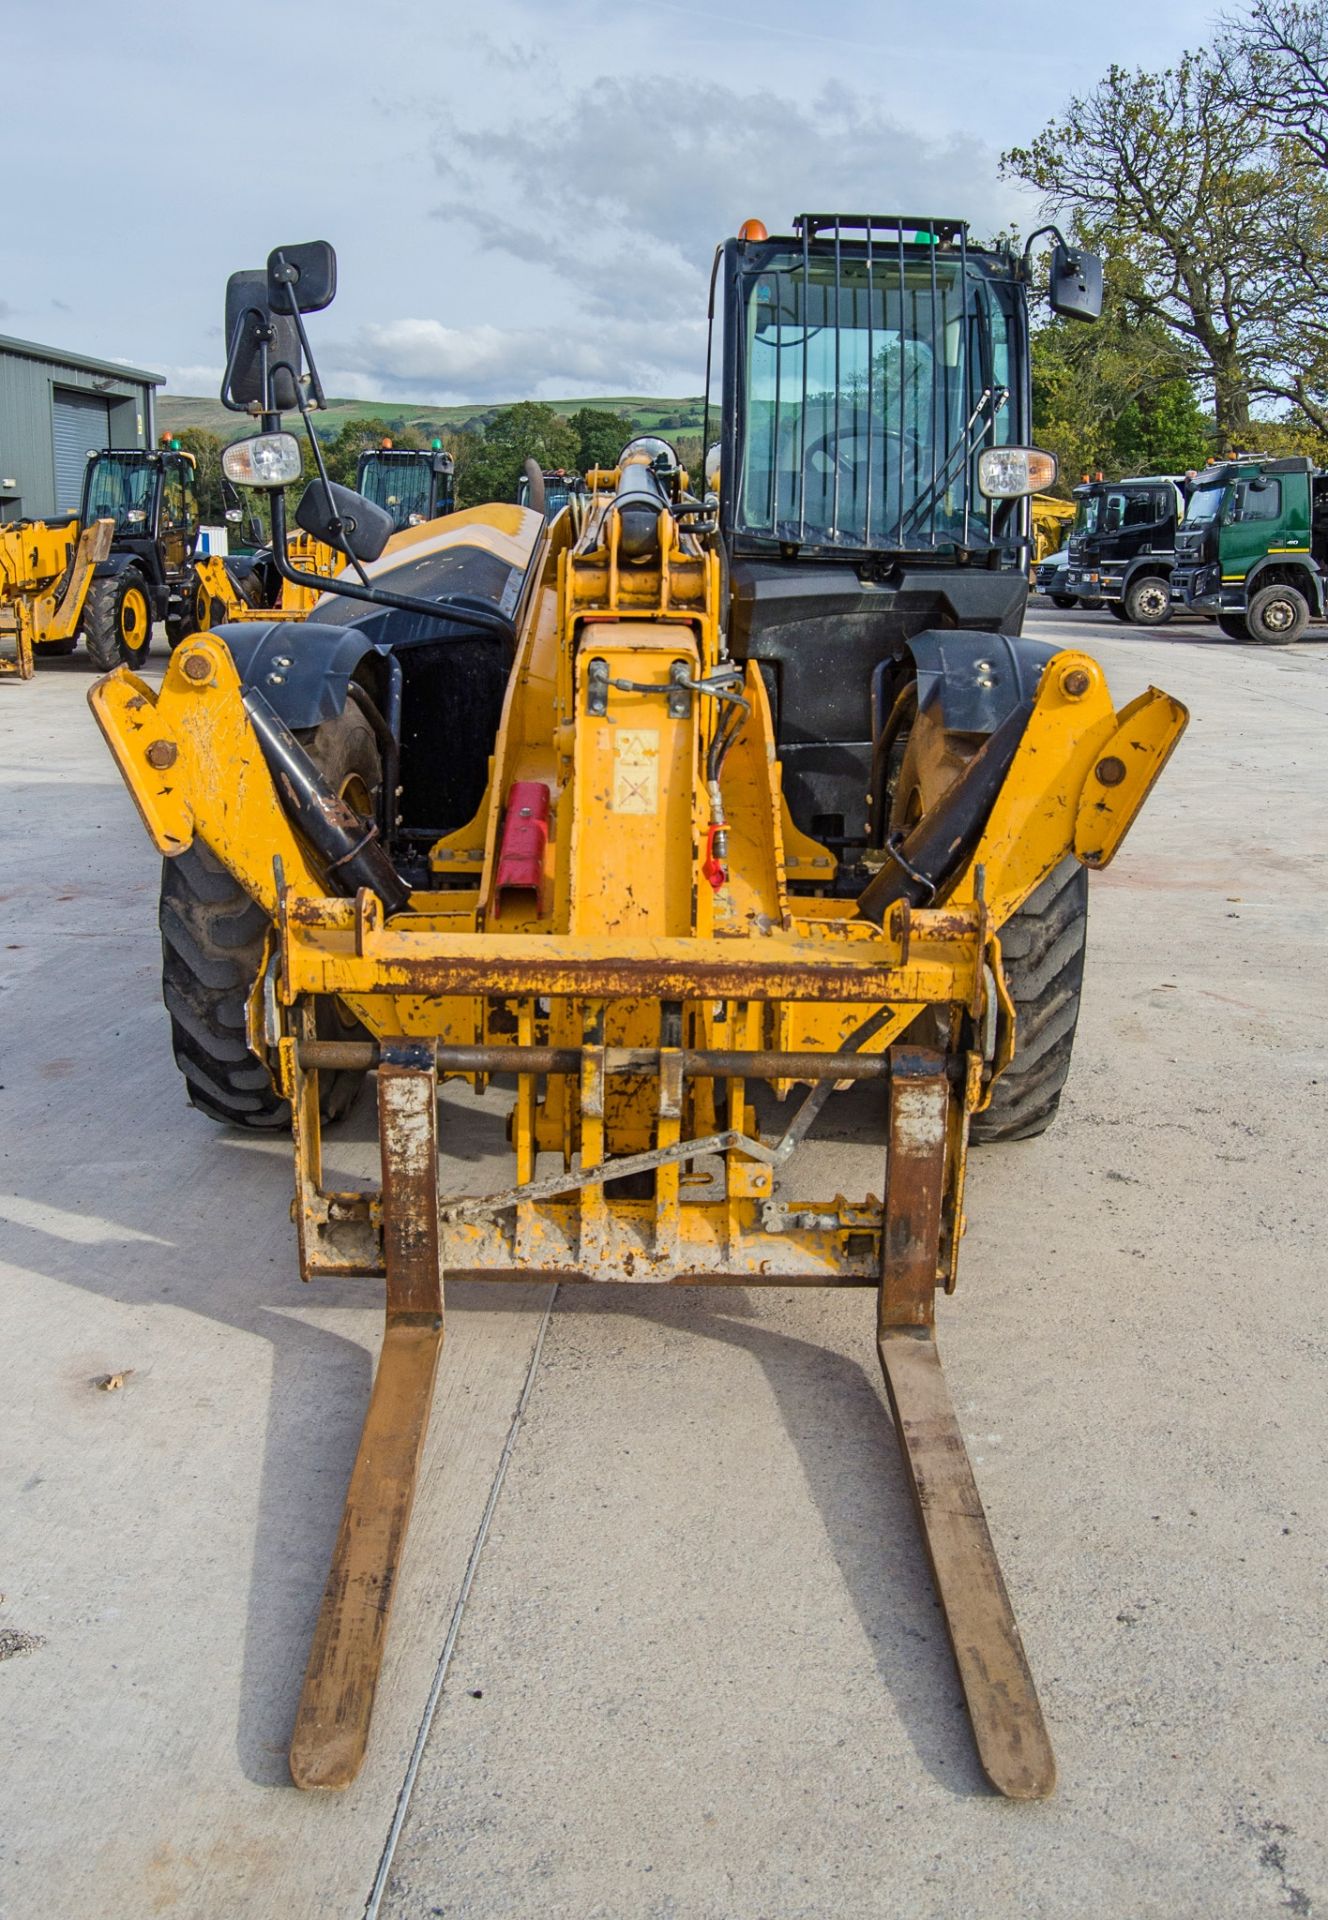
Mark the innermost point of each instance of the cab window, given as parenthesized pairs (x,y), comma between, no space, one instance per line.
(1262,502)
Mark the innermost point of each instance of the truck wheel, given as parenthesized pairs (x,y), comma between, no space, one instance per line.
(1042,950)
(1233,626)
(1117,611)
(117,622)
(212,937)
(1148,602)
(1276,615)
(1064,601)
(1089,606)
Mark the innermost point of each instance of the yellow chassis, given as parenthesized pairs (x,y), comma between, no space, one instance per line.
(636,1007)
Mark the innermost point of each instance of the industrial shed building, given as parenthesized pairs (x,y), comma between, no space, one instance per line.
(54,407)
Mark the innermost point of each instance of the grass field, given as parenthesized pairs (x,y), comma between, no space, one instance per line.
(176,411)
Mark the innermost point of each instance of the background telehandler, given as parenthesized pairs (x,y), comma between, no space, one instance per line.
(124,561)
(670,814)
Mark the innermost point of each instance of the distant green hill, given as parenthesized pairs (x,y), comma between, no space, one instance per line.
(176,411)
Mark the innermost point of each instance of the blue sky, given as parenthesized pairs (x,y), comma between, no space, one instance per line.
(524,197)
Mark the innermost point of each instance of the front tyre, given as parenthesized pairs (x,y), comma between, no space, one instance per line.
(212,940)
(1042,945)
(1064,601)
(1277,615)
(1042,951)
(1148,602)
(117,622)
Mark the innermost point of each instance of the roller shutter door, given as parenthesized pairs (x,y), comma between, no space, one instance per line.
(82,421)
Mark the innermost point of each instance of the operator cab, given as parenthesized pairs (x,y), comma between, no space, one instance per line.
(874,474)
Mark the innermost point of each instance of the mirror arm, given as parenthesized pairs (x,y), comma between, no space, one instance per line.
(315,384)
(1057,235)
(235,406)
(459,608)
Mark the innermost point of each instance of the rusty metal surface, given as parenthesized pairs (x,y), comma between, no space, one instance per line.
(1012,1740)
(717,1063)
(332,1724)
(914,1187)
(779,967)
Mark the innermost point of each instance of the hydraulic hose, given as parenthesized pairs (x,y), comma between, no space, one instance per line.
(921,866)
(346,845)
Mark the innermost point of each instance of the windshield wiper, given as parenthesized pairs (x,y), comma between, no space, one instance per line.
(990,402)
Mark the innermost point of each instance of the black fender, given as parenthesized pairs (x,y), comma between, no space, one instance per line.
(1153,563)
(119,563)
(974,680)
(302,668)
(1294,570)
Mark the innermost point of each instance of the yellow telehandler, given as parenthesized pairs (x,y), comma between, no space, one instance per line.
(651,812)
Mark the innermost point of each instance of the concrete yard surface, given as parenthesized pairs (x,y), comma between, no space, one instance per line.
(701,1674)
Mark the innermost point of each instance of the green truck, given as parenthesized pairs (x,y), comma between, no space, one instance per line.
(1253,548)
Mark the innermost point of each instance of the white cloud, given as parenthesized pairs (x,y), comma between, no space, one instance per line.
(426,360)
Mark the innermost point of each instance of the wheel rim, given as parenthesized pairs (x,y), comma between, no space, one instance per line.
(134,620)
(1279,616)
(1151,601)
(201,607)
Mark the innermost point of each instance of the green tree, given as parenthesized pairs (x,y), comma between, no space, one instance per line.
(490,464)
(1277,57)
(206,448)
(1212,235)
(601,437)
(1117,396)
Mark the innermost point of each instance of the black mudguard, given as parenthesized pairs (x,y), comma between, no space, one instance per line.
(975,680)
(303,668)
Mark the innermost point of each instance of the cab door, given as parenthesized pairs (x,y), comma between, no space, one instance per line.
(1250,525)
(179,515)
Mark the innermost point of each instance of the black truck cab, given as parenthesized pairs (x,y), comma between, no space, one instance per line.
(1123,546)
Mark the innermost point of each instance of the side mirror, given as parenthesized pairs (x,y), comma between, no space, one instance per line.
(303,276)
(1076,283)
(365,529)
(248,312)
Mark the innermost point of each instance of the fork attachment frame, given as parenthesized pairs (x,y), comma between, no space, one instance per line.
(332,1724)
(1012,1740)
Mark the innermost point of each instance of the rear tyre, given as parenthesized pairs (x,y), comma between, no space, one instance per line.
(1064,601)
(212,937)
(57,649)
(1277,615)
(1147,602)
(117,623)
(1042,950)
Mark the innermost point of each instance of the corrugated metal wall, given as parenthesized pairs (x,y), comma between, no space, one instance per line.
(30,386)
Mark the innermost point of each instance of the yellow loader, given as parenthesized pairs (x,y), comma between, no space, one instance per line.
(668,818)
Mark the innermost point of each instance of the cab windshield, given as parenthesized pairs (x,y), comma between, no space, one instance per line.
(1204,505)
(119,487)
(860,377)
(1088,512)
(400,486)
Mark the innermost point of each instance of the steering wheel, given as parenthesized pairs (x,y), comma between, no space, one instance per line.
(845,450)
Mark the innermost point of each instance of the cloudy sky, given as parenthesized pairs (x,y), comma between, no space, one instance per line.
(524,195)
